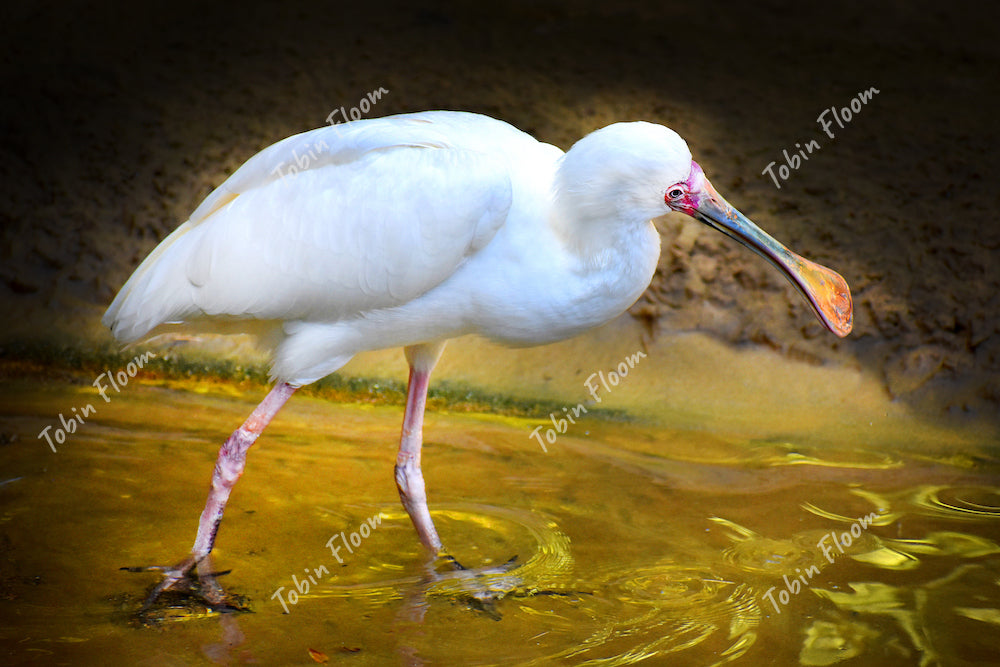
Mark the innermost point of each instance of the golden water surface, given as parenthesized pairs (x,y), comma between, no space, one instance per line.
(684,544)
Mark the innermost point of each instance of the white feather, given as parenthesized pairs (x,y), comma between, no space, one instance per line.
(410,229)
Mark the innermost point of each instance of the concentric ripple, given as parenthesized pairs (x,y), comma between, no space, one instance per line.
(768,556)
(962,502)
(611,617)
(665,608)
(542,558)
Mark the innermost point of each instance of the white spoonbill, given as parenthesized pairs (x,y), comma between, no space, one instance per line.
(413,229)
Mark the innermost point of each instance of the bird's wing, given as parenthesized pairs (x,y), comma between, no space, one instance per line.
(330,224)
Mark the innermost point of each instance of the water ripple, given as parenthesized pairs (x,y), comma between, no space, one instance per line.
(962,502)
(548,562)
(662,609)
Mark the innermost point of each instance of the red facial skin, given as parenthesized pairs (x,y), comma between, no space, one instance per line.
(826,291)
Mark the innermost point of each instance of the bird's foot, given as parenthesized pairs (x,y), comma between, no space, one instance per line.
(190,580)
(482,587)
(450,563)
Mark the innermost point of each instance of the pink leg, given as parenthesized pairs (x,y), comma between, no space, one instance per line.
(228,469)
(230,464)
(409,478)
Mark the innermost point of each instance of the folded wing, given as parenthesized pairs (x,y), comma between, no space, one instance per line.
(330,224)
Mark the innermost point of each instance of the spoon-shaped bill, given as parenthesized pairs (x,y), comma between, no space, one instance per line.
(825,290)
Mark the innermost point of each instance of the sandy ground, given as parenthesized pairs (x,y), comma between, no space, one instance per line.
(119,120)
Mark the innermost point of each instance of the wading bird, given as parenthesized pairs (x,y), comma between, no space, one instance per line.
(409,230)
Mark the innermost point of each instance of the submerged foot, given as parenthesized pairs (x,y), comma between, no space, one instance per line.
(190,580)
(451,563)
(482,587)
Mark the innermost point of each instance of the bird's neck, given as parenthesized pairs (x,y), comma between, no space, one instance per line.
(595,232)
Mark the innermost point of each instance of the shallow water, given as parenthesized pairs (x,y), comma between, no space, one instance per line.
(632,541)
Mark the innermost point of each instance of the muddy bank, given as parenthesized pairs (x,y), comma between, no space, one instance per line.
(120,120)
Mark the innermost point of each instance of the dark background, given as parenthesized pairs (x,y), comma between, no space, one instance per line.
(118,120)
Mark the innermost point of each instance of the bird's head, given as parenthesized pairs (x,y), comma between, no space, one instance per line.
(637,172)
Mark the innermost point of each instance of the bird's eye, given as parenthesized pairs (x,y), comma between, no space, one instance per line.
(675,193)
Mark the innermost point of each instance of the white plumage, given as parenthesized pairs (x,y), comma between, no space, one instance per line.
(400,230)
(409,230)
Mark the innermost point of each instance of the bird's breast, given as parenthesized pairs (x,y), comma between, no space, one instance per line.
(544,291)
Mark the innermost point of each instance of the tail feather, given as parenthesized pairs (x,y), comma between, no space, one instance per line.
(157,292)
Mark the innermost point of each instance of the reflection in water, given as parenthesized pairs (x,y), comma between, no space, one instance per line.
(228,649)
(632,543)
(546,566)
(828,643)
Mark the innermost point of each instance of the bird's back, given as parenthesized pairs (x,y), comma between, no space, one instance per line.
(334,223)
